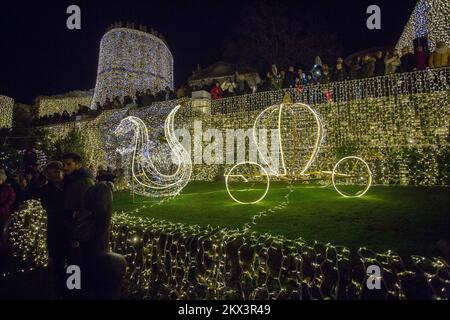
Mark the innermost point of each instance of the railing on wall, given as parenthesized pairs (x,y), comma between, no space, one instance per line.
(386,86)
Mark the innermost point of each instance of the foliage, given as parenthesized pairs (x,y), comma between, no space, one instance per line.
(72,142)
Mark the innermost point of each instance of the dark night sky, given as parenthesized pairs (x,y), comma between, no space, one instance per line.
(40,56)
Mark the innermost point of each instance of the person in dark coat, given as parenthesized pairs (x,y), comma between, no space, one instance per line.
(339,73)
(93,246)
(105,175)
(265,84)
(7,199)
(99,201)
(108,268)
(148,98)
(52,199)
(242,86)
(356,68)
(77,180)
(368,67)
(19,185)
(78,220)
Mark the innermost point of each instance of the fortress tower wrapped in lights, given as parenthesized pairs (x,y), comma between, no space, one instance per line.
(132,60)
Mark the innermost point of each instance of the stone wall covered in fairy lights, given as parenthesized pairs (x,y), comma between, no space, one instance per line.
(70,102)
(399,124)
(6,112)
(430,18)
(132,60)
(175,261)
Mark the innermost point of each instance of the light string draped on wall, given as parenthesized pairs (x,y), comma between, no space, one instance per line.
(175,261)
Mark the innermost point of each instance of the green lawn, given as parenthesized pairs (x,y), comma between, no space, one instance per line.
(408,220)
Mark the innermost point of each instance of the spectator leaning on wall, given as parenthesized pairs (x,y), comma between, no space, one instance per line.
(439,58)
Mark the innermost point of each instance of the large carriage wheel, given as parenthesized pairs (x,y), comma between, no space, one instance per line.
(351,177)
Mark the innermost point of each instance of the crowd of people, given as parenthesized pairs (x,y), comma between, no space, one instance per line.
(361,67)
(78,202)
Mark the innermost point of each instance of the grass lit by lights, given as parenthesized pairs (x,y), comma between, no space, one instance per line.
(408,220)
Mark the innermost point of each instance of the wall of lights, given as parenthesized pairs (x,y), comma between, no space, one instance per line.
(399,124)
(70,102)
(176,261)
(6,112)
(149,179)
(132,60)
(429,18)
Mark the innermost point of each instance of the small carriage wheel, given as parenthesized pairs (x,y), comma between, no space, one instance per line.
(369,177)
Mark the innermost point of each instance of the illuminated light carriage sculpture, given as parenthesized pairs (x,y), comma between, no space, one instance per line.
(351,176)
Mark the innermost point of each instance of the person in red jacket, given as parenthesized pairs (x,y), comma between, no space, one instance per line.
(420,58)
(7,197)
(216,92)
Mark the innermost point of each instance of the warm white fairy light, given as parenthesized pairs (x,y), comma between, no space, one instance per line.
(6,112)
(132,60)
(150,180)
(429,18)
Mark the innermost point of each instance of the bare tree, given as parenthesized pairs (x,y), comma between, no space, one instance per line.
(271,32)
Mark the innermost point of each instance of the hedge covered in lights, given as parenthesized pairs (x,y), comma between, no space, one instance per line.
(175,261)
(399,124)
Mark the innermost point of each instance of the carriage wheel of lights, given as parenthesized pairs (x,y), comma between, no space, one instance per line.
(249,179)
(350,172)
(150,180)
(354,173)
